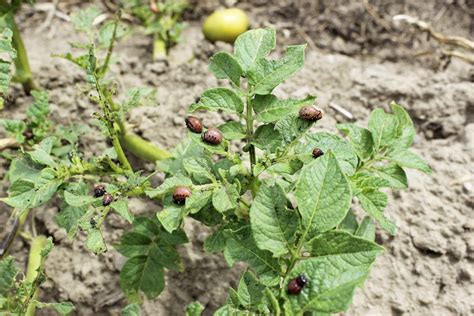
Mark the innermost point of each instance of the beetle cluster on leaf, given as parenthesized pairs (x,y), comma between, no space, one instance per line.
(283,205)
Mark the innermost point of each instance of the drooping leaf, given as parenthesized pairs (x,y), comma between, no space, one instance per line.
(250,291)
(323,194)
(266,137)
(254,45)
(171,216)
(199,168)
(273,226)
(219,99)
(393,174)
(6,48)
(215,242)
(78,200)
(224,66)
(39,110)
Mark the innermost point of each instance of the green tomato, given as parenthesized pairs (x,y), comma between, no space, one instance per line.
(225,25)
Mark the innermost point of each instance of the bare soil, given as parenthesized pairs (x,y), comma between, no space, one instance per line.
(354,62)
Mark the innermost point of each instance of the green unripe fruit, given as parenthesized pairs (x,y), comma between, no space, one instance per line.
(225,25)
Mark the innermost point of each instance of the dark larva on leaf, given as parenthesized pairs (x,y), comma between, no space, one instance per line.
(99,190)
(317,152)
(107,199)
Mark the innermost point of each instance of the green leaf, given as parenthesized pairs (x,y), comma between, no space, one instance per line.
(323,194)
(344,153)
(23,168)
(15,128)
(393,174)
(344,264)
(291,128)
(407,159)
(349,224)
(63,308)
(131,310)
(361,139)
(185,149)
(366,229)
(224,198)
(337,242)
(233,130)
(219,99)
(82,19)
(41,153)
(171,216)
(39,110)
(267,74)
(215,242)
(254,45)
(250,291)
(199,168)
(169,185)
(228,310)
(106,33)
(121,207)
(406,128)
(144,96)
(6,48)
(273,226)
(95,242)
(266,137)
(8,272)
(224,66)
(194,309)
(384,128)
(374,202)
(270,109)
(78,200)
(143,273)
(240,246)
(198,200)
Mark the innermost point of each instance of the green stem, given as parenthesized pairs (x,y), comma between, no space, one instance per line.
(249,119)
(104,67)
(120,153)
(34,263)
(159,48)
(23,70)
(142,148)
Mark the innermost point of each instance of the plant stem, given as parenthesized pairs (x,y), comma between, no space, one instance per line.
(34,263)
(23,70)
(142,148)
(159,48)
(120,153)
(104,67)
(249,119)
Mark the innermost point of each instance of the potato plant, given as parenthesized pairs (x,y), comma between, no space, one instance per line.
(283,204)
(161,19)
